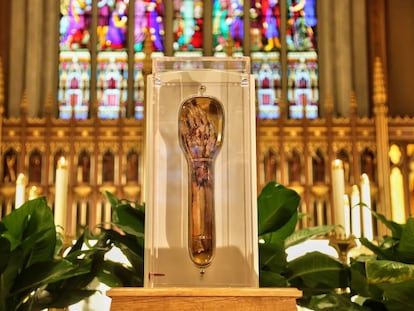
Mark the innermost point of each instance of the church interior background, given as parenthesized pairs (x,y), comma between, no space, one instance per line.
(333,80)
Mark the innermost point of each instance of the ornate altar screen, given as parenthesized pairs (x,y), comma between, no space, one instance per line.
(201,223)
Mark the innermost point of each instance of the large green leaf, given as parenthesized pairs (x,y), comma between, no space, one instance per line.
(42,273)
(306,234)
(398,296)
(406,246)
(272,256)
(317,271)
(359,282)
(5,253)
(282,233)
(332,302)
(395,228)
(130,220)
(272,279)
(385,271)
(117,274)
(32,218)
(276,205)
(381,252)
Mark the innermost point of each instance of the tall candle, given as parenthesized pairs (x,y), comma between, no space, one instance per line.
(366,207)
(20,197)
(61,194)
(338,192)
(347,215)
(356,212)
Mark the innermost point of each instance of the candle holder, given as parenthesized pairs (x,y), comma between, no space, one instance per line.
(342,244)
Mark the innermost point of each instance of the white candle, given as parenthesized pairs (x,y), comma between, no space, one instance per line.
(347,216)
(366,207)
(338,192)
(61,194)
(20,197)
(356,212)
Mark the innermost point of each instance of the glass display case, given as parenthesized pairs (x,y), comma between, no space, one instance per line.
(200,189)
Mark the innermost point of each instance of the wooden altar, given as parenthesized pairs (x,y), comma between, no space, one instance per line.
(205,299)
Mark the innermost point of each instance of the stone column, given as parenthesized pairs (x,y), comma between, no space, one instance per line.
(50,56)
(17,57)
(325,48)
(382,139)
(360,78)
(34,61)
(342,58)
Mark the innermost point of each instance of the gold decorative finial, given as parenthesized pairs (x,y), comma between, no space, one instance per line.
(282,105)
(147,69)
(48,106)
(380,94)
(24,104)
(328,105)
(229,46)
(353,105)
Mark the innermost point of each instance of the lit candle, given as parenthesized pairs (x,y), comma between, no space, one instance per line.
(338,192)
(347,216)
(366,207)
(356,212)
(33,193)
(61,194)
(21,182)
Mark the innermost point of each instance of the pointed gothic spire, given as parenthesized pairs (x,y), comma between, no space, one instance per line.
(379,91)
(24,105)
(353,104)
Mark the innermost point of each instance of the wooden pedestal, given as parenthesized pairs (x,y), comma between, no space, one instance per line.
(203,299)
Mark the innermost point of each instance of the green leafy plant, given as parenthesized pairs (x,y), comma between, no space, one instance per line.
(127,235)
(381,279)
(386,278)
(32,274)
(314,273)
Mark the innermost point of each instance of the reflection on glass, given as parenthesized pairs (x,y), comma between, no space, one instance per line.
(201,122)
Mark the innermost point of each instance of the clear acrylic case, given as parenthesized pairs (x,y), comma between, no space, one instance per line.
(200,188)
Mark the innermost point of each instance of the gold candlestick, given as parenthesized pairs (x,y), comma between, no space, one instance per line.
(342,244)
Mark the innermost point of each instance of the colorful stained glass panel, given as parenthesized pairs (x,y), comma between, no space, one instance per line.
(303,92)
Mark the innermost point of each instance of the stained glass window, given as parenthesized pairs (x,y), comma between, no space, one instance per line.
(74,59)
(266,66)
(149,21)
(303,93)
(188,27)
(112,58)
(227,25)
(95,61)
